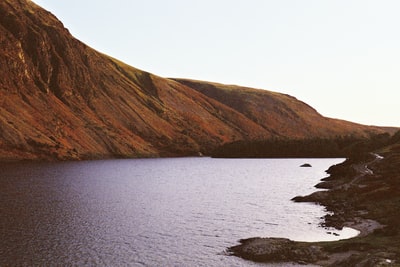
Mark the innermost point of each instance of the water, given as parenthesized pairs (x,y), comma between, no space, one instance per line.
(154,212)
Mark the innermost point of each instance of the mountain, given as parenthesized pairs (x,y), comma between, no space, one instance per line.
(281,115)
(61,99)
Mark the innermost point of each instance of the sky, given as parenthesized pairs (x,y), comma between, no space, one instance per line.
(342,57)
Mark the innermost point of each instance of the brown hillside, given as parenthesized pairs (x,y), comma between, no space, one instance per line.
(60,99)
(281,114)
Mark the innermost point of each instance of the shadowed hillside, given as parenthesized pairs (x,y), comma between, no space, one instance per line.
(60,99)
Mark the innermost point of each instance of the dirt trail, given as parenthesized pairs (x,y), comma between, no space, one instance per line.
(363,170)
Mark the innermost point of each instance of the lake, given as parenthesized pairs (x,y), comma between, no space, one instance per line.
(154,212)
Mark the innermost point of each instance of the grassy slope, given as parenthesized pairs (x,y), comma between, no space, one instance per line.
(282,115)
(60,99)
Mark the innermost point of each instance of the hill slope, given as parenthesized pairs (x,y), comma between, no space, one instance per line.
(280,114)
(62,99)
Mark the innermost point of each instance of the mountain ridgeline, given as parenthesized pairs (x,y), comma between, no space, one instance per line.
(60,99)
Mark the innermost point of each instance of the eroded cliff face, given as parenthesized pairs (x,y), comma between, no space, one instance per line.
(60,99)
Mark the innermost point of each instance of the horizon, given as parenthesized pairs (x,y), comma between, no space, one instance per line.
(341,57)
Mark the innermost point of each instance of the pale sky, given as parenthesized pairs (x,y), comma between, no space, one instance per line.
(342,57)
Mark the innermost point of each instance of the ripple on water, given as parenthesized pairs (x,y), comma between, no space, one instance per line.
(154,212)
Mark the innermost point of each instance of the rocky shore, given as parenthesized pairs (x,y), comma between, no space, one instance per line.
(363,193)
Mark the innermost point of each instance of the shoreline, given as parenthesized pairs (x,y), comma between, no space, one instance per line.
(347,203)
(364,226)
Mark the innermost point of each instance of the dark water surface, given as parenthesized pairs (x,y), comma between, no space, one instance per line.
(153,212)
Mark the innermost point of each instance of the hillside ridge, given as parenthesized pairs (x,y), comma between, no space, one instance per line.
(61,99)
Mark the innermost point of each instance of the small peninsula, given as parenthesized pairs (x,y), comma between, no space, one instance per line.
(362,194)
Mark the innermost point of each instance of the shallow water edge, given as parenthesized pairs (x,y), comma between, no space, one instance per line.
(346,180)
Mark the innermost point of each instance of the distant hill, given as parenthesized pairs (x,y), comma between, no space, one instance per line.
(281,115)
(60,99)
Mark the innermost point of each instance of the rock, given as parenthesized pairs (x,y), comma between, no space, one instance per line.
(306,165)
(316,197)
(277,250)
